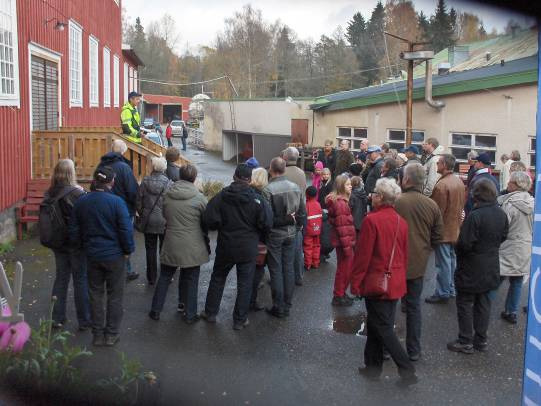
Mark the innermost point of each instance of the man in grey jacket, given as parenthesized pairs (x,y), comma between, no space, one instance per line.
(288,209)
(296,175)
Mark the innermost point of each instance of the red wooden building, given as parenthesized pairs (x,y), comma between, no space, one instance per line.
(62,64)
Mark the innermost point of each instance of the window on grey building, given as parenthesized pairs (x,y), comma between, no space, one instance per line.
(462,143)
(397,138)
(354,135)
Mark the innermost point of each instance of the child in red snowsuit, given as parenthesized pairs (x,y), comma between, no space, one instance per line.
(313,229)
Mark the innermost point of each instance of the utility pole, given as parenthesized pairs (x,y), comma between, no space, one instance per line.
(409,92)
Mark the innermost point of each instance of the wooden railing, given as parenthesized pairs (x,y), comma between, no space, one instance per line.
(85,146)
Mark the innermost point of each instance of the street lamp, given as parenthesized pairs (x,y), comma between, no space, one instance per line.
(59,26)
(289,99)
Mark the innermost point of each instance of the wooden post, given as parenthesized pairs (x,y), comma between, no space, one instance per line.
(409,99)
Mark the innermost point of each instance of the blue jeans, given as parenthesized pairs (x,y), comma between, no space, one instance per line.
(445,267)
(513,294)
(70,264)
(188,285)
(280,258)
(183,143)
(298,263)
(413,315)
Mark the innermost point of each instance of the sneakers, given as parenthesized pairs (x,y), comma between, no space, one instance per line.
(509,317)
(98,340)
(239,325)
(154,315)
(480,346)
(209,318)
(457,346)
(435,299)
(181,308)
(273,311)
(386,355)
(407,380)
(414,357)
(132,276)
(111,340)
(342,301)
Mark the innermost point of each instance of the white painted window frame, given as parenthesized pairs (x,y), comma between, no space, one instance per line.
(106,77)
(13,99)
(351,138)
(116,81)
(74,27)
(93,69)
(472,146)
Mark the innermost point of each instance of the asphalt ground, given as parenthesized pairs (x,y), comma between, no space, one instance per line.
(310,358)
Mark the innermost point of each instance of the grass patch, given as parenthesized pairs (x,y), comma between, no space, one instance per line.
(211,188)
(6,248)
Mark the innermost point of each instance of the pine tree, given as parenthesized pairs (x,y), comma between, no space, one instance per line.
(356,36)
(424,26)
(375,48)
(441,29)
(453,17)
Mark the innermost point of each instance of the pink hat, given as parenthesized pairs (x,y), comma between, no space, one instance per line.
(319,165)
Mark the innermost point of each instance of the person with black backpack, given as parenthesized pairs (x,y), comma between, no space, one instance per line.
(54,216)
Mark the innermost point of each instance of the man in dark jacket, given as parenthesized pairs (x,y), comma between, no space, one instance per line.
(288,209)
(102,226)
(373,172)
(478,267)
(482,171)
(328,156)
(171,156)
(240,217)
(344,159)
(125,185)
(425,229)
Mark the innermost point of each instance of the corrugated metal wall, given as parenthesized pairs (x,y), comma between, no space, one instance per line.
(100,18)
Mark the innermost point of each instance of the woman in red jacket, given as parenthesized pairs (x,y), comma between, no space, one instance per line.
(342,237)
(379,275)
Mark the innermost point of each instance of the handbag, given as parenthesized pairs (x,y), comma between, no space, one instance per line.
(261,258)
(377,283)
(139,226)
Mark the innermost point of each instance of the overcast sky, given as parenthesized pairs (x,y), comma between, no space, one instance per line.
(198,21)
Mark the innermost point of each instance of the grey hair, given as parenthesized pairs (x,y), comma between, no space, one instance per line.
(473,154)
(291,154)
(414,174)
(159,164)
(388,189)
(119,147)
(515,155)
(522,180)
(517,166)
(448,161)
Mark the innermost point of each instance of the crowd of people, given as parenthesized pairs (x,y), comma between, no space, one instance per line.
(384,212)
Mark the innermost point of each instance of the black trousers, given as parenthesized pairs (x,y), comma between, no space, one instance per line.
(380,334)
(245,276)
(106,276)
(151,247)
(413,315)
(473,310)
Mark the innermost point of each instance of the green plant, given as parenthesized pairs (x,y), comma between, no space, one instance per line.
(211,188)
(6,247)
(127,384)
(47,361)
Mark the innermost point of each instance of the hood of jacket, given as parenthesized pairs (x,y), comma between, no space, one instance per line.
(439,150)
(182,190)
(238,193)
(112,157)
(155,182)
(523,201)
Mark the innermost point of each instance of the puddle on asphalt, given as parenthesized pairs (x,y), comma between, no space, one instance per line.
(350,324)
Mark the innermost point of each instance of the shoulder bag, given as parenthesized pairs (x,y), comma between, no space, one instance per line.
(139,224)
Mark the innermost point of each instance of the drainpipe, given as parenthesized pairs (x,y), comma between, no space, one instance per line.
(437,104)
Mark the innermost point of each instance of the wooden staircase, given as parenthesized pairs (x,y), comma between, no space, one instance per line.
(85,146)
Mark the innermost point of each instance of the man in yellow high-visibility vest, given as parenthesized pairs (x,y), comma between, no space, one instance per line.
(130,119)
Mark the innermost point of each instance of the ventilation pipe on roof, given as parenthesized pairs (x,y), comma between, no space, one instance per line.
(437,104)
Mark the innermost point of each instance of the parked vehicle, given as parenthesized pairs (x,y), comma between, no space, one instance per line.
(155,137)
(149,123)
(176,127)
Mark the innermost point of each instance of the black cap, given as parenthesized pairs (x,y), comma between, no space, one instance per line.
(134,94)
(104,174)
(243,172)
(411,148)
(311,191)
(484,158)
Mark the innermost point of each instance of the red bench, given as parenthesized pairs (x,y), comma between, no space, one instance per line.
(28,212)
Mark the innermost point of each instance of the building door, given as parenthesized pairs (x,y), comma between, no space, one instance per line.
(44,94)
(299,131)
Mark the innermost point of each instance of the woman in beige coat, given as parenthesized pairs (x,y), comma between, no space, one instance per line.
(186,245)
(516,251)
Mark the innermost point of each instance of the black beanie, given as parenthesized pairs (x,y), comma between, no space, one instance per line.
(243,172)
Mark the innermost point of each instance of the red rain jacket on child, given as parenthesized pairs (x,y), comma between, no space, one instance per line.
(314,217)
